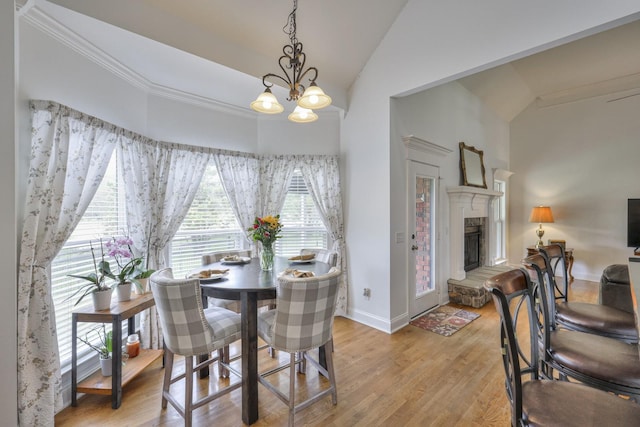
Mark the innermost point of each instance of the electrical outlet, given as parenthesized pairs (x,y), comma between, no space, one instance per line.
(367,292)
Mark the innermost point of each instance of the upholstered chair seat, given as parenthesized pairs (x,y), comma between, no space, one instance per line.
(596,360)
(191,331)
(302,321)
(534,400)
(584,317)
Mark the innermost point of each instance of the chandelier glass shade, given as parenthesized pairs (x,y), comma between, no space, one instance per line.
(292,64)
(303,115)
(267,103)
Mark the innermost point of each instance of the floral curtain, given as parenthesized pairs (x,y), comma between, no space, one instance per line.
(70,152)
(321,174)
(239,174)
(275,174)
(161,181)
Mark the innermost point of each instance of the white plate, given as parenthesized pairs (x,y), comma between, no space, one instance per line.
(302,261)
(240,260)
(211,278)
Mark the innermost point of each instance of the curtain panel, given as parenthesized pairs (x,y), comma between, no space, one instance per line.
(70,152)
(161,181)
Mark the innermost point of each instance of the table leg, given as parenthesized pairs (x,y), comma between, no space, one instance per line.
(116,363)
(249,309)
(570,268)
(74,359)
(204,372)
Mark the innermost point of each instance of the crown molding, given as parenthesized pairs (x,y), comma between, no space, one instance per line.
(54,29)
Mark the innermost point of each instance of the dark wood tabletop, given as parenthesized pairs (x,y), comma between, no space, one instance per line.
(248,283)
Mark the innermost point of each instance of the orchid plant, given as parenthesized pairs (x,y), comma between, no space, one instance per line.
(129,269)
(104,345)
(96,278)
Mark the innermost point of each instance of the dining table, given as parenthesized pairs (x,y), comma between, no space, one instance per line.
(246,282)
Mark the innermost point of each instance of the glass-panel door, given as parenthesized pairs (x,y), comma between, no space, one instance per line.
(423,198)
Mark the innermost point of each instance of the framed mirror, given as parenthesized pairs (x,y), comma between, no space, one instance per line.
(472,166)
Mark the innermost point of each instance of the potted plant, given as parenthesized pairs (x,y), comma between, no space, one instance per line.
(104,347)
(96,286)
(128,266)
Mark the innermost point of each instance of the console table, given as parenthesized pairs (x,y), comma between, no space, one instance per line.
(568,259)
(121,375)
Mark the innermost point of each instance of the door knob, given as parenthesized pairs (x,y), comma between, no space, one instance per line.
(414,247)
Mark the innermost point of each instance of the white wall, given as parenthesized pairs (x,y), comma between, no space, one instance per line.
(581,159)
(277,135)
(8,261)
(444,115)
(432,43)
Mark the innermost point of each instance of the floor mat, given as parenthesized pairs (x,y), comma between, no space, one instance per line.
(445,320)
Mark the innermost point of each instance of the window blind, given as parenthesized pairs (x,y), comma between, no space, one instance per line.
(209,226)
(302,225)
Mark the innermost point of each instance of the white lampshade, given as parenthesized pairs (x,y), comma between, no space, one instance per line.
(314,98)
(303,115)
(267,103)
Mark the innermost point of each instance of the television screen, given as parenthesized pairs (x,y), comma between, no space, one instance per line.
(633,223)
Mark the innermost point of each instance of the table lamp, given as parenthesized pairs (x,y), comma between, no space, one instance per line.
(540,214)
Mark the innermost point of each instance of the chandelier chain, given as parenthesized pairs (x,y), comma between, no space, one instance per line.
(291,23)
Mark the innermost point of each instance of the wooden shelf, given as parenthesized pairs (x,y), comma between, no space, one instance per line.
(98,384)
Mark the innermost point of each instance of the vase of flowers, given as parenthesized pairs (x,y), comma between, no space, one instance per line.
(266,231)
(96,285)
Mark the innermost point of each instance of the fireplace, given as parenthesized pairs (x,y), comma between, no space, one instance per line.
(473,243)
(470,207)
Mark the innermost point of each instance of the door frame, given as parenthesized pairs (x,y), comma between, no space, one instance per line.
(422,151)
(414,309)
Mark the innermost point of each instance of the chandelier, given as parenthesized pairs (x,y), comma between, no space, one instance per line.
(292,65)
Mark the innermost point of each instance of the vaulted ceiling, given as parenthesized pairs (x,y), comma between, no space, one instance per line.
(219,49)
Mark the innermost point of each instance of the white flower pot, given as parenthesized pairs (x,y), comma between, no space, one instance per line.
(144,284)
(102,300)
(124,291)
(106,367)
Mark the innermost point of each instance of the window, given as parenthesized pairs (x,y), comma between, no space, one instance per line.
(104,218)
(500,214)
(302,226)
(210,226)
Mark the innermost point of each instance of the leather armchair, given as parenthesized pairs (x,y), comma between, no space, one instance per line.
(615,288)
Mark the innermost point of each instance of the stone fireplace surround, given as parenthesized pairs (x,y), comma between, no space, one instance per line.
(471,202)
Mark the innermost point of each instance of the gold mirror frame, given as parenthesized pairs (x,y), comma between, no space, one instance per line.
(472,166)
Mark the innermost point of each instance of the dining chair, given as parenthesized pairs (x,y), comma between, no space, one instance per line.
(602,362)
(322,255)
(302,321)
(534,400)
(191,331)
(581,316)
(212,257)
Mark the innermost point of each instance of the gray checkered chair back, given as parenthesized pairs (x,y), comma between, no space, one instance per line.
(322,255)
(217,256)
(304,311)
(187,329)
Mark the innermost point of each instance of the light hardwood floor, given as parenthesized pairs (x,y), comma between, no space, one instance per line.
(410,378)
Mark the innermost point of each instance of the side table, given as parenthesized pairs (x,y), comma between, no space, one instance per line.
(568,259)
(118,312)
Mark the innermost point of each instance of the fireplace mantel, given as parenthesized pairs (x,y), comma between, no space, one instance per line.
(469,202)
